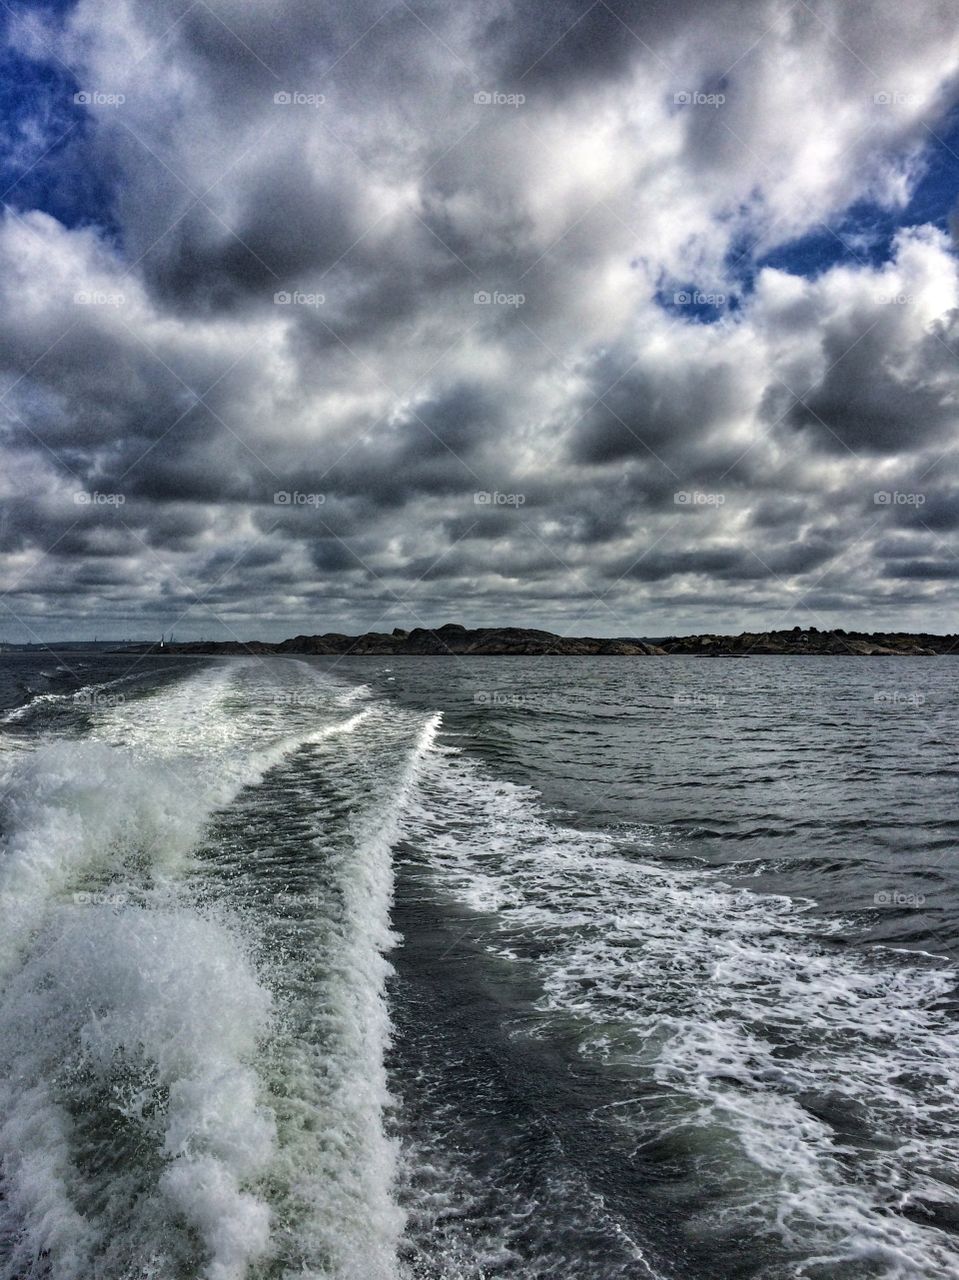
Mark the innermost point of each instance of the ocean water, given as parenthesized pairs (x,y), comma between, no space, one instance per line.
(453,969)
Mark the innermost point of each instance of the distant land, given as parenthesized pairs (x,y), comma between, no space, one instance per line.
(454,639)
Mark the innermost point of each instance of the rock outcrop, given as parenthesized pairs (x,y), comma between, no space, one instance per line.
(456,639)
(452,638)
(812,641)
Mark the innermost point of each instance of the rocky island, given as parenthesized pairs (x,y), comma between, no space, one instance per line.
(455,639)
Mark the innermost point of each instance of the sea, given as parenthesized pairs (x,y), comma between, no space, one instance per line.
(453,968)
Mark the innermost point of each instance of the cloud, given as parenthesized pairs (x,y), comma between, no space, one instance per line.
(385,259)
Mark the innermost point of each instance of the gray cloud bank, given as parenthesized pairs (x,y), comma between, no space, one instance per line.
(403,313)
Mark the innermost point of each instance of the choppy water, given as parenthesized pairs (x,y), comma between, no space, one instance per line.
(444,969)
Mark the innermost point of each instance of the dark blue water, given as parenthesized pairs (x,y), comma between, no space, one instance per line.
(463,968)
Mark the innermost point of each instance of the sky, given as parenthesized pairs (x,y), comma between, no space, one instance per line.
(625,317)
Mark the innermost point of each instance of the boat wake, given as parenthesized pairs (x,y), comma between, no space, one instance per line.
(590,1059)
(191,1043)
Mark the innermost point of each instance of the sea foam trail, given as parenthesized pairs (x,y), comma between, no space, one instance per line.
(815,1085)
(129,1098)
(88,695)
(336,1163)
(135,1129)
(130,801)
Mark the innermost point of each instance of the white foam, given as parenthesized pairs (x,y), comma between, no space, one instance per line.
(88,694)
(107,1005)
(29,707)
(694,986)
(134,797)
(336,1161)
(146,1018)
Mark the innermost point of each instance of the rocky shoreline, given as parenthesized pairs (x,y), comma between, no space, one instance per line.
(454,639)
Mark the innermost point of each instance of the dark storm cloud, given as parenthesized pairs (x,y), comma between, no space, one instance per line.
(569,45)
(939,510)
(777,513)
(928,570)
(867,401)
(906,547)
(575,45)
(642,411)
(293,224)
(730,563)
